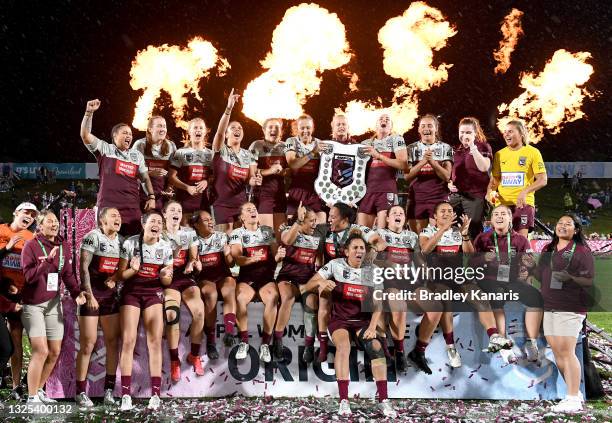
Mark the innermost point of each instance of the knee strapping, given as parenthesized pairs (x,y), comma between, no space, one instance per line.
(376,355)
(305,306)
(172,305)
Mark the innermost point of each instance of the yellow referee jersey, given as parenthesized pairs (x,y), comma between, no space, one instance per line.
(515,170)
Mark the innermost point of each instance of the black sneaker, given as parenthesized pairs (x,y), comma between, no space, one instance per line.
(400,362)
(229,340)
(277,349)
(17,393)
(211,352)
(419,359)
(308,355)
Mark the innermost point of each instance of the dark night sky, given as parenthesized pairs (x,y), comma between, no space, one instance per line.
(57,54)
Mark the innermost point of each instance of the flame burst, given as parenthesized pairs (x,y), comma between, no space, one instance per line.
(174,69)
(552,98)
(408,42)
(308,41)
(512,31)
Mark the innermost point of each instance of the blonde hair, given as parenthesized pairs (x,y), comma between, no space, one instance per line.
(436,123)
(41,216)
(519,125)
(187,142)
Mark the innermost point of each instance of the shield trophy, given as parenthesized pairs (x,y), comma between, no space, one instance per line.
(342,173)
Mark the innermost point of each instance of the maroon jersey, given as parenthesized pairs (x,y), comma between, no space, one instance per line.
(105,260)
(466,176)
(180,241)
(255,242)
(485,242)
(427,186)
(267,154)
(400,246)
(210,251)
(156,160)
(119,175)
(446,254)
(381,177)
(231,176)
(153,258)
(353,287)
(560,295)
(305,176)
(192,166)
(299,262)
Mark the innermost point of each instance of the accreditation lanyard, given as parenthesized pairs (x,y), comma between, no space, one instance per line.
(53,278)
(503,270)
(338,245)
(555,280)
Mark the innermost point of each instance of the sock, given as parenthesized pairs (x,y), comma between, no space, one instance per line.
(323,338)
(174,354)
(244,336)
(195,349)
(421,346)
(398,344)
(278,334)
(229,320)
(309,341)
(80,386)
(210,335)
(126,384)
(265,338)
(381,388)
(109,382)
(449,338)
(533,340)
(155,385)
(492,331)
(343,389)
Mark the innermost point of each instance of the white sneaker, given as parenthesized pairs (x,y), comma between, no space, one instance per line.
(387,409)
(345,408)
(126,403)
(454,359)
(531,351)
(243,349)
(108,397)
(508,356)
(34,400)
(498,342)
(83,400)
(569,404)
(44,398)
(264,353)
(154,403)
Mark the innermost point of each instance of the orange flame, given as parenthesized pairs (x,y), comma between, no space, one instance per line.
(308,41)
(408,42)
(511,30)
(552,98)
(174,69)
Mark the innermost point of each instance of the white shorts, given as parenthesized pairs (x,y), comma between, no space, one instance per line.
(562,323)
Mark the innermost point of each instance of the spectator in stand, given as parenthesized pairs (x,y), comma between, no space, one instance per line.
(569,203)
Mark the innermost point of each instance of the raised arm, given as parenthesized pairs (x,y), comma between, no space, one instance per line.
(224,122)
(86,135)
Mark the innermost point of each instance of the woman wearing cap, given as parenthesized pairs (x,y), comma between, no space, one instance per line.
(121,171)
(13,237)
(46,263)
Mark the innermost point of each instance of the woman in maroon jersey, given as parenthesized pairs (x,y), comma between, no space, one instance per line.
(566,270)
(255,250)
(215,278)
(157,150)
(234,169)
(302,252)
(350,288)
(121,171)
(145,267)
(470,175)
(430,164)
(302,153)
(191,170)
(269,154)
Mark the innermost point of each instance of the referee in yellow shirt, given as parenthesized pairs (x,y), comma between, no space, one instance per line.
(518,172)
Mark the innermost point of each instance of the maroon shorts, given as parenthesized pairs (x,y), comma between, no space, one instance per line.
(142,299)
(373,202)
(225,214)
(181,283)
(352,326)
(522,218)
(130,221)
(255,284)
(306,197)
(269,204)
(420,209)
(13,317)
(108,302)
(296,278)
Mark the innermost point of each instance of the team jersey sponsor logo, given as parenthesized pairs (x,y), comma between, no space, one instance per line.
(195,173)
(108,264)
(261,250)
(354,292)
(380,163)
(180,259)
(157,163)
(447,248)
(211,259)
(148,270)
(513,179)
(125,168)
(304,255)
(12,261)
(399,255)
(330,249)
(238,173)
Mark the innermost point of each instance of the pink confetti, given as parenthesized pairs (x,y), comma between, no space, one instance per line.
(470,376)
(238,383)
(274,382)
(447,385)
(224,380)
(317,386)
(397,383)
(169,394)
(484,378)
(213,382)
(471,349)
(211,370)
(187,377)
(462,347)
(221,374)
(470,343)
(432,388)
